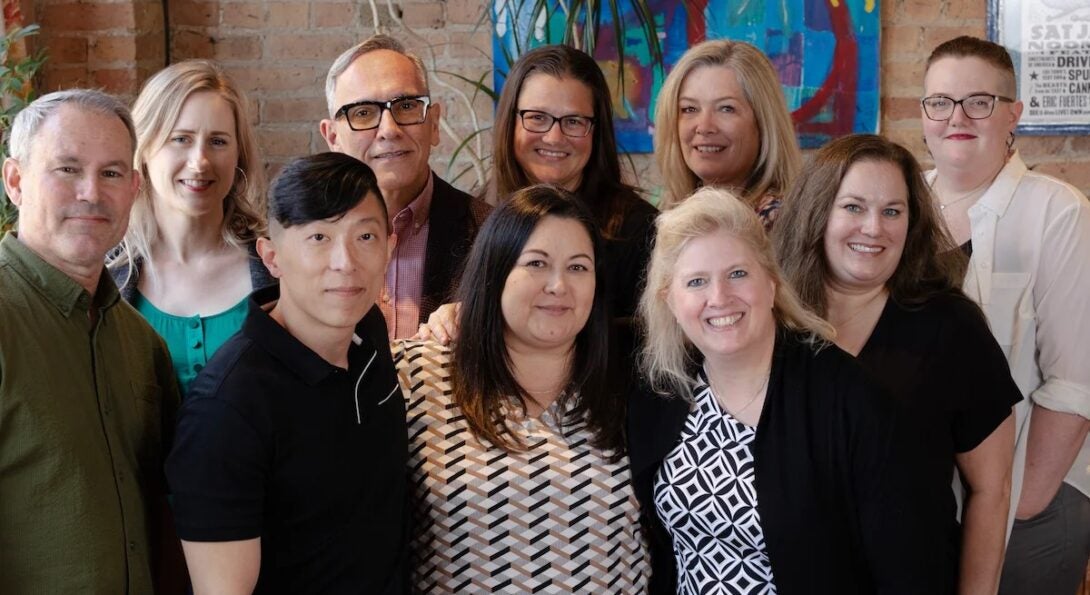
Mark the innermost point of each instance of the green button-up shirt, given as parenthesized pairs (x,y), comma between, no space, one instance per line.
(86,410)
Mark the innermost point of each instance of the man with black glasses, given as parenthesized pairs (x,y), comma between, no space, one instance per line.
(380,112)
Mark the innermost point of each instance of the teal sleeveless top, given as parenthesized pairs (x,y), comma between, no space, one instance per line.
(192,339)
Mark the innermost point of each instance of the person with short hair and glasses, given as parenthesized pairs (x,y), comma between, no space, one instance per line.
(1028,235)
(381,112)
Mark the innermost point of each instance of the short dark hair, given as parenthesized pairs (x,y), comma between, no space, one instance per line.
(322,186)
(602,186)
(973,47)
(482,378)
(931,262)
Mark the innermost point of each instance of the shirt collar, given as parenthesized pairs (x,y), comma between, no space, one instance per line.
(420,207)
(58,288)
(267,334)
(997,198)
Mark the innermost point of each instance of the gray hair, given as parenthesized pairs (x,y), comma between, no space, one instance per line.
(30,119)
(373,43)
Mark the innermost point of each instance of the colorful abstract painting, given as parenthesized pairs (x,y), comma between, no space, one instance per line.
(826,52)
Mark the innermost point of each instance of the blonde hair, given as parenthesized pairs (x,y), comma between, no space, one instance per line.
(155,113)
(779,157)
(668,355)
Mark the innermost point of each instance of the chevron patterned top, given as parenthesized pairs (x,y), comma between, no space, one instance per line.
(558,518)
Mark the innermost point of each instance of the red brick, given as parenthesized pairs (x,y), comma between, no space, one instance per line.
(57,77)
(66,50)
(967,10)
(194,14)
(245,15)
(237,48)
(286,14)
(1072,171)
(307,47)
(901,42)
(302,110)
(116,80)
(919,11)
(280,79)
(151,46)
(113,49)
(1051,146)
(900,108)
(903,80)
(187,45)
(285,142)
(933,36)
(1080,144)
(87,17)
(466,12)
(424,14)
(333,15)
(148,16)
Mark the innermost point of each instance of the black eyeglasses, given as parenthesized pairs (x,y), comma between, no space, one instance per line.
(541,122)
(365,115)
(975,107)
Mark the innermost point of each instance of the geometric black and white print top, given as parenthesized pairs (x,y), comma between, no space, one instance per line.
(559,518)
(705,496)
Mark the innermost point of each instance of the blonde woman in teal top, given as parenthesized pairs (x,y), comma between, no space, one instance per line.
(187,261)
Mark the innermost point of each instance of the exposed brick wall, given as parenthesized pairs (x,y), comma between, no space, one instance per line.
(280,50)
(112,44)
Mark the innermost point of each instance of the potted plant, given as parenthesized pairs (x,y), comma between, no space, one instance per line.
(17,69)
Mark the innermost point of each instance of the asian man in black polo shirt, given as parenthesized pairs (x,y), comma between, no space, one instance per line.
(288,468)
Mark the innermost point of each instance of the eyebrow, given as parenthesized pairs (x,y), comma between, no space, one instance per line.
(188,131)
(723,98)
(544,253)
(67,159)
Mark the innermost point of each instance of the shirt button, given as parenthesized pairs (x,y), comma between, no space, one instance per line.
(132,546)
(194,324)
(198,368)
(385,299)
(196,345)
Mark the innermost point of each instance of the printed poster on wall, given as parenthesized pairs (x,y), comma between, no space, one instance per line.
(1049,41)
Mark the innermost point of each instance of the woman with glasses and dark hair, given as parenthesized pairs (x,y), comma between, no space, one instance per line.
(861,242)
(1029,239)
(518,477)
(188,263)
(554,125)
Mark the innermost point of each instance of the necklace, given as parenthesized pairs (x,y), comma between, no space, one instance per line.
(751,400)
(978,192)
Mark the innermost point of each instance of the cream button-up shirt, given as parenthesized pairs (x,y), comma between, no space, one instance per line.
(1030,272)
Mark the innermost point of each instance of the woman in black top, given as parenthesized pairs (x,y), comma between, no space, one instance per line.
(554,125)
(862,244)
(763,457)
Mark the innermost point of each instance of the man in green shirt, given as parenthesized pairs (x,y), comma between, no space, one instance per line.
(87,396)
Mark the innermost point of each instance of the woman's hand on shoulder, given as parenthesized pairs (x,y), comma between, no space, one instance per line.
(442,325)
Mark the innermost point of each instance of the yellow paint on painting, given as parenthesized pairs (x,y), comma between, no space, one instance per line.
(868,5)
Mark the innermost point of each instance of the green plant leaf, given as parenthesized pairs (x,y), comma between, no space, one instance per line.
(462,145)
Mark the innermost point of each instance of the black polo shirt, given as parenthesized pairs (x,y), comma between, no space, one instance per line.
(275,442)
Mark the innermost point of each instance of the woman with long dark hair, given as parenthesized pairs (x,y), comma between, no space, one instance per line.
(516,433)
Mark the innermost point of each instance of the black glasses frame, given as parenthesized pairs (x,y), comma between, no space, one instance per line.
(384,106)
(961,103)
(522,118)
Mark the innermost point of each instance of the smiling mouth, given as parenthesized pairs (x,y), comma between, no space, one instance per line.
(391,155)
(725,321)
(551,154)
(709,148)
(197,184)
(865,249)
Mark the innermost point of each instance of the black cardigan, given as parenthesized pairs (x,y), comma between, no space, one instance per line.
(833,495)
(127,284)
